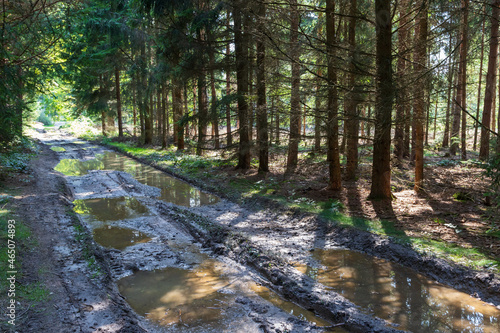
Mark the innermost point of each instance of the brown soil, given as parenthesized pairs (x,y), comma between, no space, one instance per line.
(44,206)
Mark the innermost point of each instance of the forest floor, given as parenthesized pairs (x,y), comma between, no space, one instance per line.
(453,209)
(453,217)
(262,225)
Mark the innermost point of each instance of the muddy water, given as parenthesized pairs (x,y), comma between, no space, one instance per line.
(57,149)
(400,295)
(110,209)
(201,297)
(172,189)
(287,306)
(118,238)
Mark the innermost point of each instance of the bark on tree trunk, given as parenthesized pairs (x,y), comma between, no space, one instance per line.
(228,87)
(202,112)
(164,110)
(262,128)
(420,68)
(214,114)
(381,170)
(335,181)
(459,103)
(177,110)
(490,91)
(401,97)
(241,54)
(118,103)
(352,118)
(293,145)
(476,124)
(317,115)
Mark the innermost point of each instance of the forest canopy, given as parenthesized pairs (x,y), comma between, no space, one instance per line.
(326,77)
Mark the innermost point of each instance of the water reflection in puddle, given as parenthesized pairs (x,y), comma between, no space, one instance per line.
(287,306)
(118,238)
(172,189)
(400,295)
(110,209)
(176,296)
(201,297)
(57,149)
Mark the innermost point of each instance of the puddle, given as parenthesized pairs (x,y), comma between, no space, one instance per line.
(57,149)
(110,209)
(201,297)
(400,295)
(72,167)
(118,238)
(172,189)
(288,306)
(180,297)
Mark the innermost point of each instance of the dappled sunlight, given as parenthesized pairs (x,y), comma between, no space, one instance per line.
(400,295)
(175,295)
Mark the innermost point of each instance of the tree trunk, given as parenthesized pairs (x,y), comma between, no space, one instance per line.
(317,115)
(381,169)
(484,148)
(277,121)
(402,96)
(134,102)
(463,73)
(164,111)
(352,117)
(241,55)
(476,124)
(459,103)
(419,115)
(293,145)
(262,128)
(202,112)
(214,113)
(118,103)
(177,111)
(250,85)
(228,87)
(335,181)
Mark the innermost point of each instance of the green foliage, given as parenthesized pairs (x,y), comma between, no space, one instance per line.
(83,127)
(44,119)
(462,196)
(15,156)
(447,163)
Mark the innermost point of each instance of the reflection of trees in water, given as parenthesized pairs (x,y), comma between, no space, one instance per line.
(110,209)
(72,167)
(402,296)
(172,189)
(168,293)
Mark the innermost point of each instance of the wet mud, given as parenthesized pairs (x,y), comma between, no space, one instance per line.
(232,264)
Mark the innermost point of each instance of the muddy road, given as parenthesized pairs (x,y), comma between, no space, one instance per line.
(138,250)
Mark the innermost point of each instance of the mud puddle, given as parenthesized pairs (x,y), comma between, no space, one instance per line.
(110,209)
(201,297)
(118,238)
(172,189)
(400,295)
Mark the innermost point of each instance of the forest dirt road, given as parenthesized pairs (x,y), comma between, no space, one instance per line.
(250,252)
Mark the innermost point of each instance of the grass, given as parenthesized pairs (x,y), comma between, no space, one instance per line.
(26,293)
